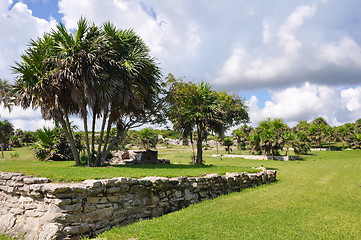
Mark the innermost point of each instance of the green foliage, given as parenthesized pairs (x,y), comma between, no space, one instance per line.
(14,155)
(147,138)
(228,142)
(6,98)
(241,135)
(268,137)
(198,108)
(6,131)
(100,73)
(52,145)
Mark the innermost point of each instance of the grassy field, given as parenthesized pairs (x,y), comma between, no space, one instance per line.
(67,172)
(318,198)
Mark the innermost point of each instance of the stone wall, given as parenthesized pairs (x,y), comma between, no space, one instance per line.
(34,208)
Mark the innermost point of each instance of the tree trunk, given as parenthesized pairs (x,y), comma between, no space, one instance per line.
(100,142)
(192,144)
(199,158)
(87,145)
(93,134)
(120,136)
(69,135)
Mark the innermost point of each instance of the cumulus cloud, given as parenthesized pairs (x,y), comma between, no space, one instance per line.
(295,50)
(307,102)
(18,26)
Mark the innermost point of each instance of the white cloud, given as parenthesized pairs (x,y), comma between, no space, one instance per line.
(18,26)
(286,36)
(352,98)
(346,53)
(307,102)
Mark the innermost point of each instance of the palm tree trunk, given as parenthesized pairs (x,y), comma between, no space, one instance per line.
(98,162)
(192,144)
(93,133)
(199,158)
(87,145)
(120,136)
(69,135)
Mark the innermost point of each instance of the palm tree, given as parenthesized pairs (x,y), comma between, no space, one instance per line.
(268,137)
(241,135)
(199,109)
(100,72)
(319,130)
(6,98)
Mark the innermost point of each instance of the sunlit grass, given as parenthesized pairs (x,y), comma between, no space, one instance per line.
(319,198)
(66,171)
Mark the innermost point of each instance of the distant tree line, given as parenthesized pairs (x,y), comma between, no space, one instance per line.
(271,136)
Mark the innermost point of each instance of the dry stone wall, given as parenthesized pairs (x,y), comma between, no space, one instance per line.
(34,208)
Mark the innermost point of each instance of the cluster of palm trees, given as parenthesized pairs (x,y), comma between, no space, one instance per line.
(101,74)
(274,135)
(200,109)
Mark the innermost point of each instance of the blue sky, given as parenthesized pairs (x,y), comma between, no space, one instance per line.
(294,60)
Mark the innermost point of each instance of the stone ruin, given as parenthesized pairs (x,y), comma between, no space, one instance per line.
(125,157)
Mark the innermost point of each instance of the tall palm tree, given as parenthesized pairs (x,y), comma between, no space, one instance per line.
(98,72)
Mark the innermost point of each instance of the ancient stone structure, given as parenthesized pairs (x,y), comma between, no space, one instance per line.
(136,157)
(34,208)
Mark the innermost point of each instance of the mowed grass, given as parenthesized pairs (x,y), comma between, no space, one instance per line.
(319,198)
(67,172)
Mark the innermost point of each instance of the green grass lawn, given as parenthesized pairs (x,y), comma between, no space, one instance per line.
(67,172)
(318,198)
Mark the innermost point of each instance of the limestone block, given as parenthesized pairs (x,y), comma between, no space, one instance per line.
(73,208)
(50,231)
(33,213)
(125,180)
(35,180)
(113,199)
(9,175)
(188,195)
(96,200)
(113,190)
(156,212)
(93,183)
(136,188)
(177,194)
(75,230)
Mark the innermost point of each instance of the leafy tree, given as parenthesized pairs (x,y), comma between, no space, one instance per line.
(6,131)
(52,145)
(241,135)
(100,74)
(228,142)
(148,138)
(191,107)
(319,129)
(268,137)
